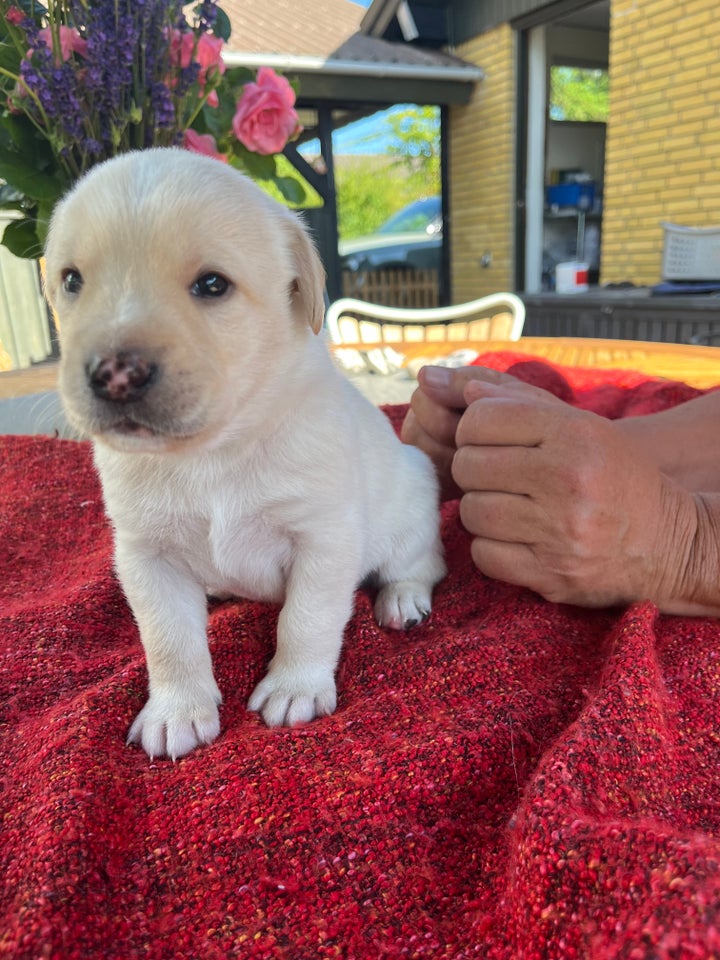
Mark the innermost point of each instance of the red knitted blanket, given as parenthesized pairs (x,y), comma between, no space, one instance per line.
(513,779)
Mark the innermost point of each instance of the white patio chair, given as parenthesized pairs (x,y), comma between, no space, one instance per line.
(499,316)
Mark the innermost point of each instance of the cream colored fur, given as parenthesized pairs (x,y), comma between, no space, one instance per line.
(249,466)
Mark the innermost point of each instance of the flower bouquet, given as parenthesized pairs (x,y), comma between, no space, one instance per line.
(84,80)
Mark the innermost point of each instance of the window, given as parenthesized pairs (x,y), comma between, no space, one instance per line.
(579,93)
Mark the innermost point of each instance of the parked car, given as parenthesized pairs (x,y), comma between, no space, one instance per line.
(411,238)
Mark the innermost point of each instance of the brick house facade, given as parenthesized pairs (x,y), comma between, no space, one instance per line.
(481,171)
(662,145)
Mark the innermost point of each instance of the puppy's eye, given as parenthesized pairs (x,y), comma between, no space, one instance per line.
(210,284)
(72,280)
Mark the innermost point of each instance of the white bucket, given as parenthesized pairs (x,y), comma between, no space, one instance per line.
(571,277)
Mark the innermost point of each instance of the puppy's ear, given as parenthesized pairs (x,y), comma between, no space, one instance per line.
(307,290)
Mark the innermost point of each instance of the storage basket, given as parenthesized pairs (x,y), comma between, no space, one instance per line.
(691,253)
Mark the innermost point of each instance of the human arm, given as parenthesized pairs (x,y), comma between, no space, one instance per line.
(682,440)
(562,501)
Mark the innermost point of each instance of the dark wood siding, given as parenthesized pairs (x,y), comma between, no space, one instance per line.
(468,18)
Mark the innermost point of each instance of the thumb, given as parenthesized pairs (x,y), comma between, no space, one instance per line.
(446,385)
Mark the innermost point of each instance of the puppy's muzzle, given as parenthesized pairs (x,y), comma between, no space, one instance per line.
(122,378)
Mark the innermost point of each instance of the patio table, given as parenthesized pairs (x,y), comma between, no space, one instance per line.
(698,366)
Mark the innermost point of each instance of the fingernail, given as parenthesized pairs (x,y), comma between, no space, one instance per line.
(438,377)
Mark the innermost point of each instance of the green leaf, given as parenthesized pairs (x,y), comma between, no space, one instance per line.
(42,225)
(238,76)
(216,120)
(291,189)
(33,183)
(222,26)
(32,8)
(10,199)
(9,59)
(17,132)
(256,165)
(20,238)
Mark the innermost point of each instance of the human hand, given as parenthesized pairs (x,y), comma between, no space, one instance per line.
(558,500)
(436,408)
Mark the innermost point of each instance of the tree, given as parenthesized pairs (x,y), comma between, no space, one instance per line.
(579,94)
(371,187)
(415,134)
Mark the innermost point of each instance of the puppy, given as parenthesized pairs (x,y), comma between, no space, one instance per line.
(235,459)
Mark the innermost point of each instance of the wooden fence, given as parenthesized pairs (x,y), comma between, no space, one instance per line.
(393,288)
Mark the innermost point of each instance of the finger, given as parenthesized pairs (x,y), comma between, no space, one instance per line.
(513,563)
(520,471)
(512,386)
(502,517)
(447,386)
(506,418)
(433,419)
(410,430)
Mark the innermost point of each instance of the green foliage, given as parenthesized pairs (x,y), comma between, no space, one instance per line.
(364,195)
(371,188)
(289,187)
(21,238)
(414,134)
(579,94)
(60,114)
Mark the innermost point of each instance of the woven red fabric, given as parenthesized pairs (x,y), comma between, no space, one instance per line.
(513,779)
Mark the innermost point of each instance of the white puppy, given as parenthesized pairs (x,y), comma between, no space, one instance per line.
(235,459)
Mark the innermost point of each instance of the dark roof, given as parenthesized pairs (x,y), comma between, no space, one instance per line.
(308,28)
(370,49)
(321,44)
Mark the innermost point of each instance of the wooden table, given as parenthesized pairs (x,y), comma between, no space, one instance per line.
(35,379)
(697,365)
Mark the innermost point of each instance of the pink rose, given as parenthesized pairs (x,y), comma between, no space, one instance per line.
(209,54)
(70,41)
(265,118)
(202,143)
(14,16)
(182,46)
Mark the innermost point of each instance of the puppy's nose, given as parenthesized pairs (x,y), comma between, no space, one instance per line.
(124,377)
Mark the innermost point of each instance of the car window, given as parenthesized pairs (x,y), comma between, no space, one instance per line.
(420,216)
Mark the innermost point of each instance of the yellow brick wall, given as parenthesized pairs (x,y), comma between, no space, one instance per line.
(482,163)
(663,140)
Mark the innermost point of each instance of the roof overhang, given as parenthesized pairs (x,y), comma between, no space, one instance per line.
(369,81)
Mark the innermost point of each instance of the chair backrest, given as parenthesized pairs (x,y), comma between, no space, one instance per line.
(499,316)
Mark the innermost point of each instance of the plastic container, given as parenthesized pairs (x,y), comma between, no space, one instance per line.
(691,253)
(571,277)
(581,196)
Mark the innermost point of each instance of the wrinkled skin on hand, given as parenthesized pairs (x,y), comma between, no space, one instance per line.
(563,501)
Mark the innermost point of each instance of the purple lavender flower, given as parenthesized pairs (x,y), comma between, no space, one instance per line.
(207,15)
(163,106)
(92,147)
(124,89)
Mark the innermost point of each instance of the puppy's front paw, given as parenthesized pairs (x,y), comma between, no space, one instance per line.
(403,604)
(287,697)
(172,724)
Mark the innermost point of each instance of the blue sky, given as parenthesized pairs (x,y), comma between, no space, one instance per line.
(364,136)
